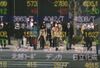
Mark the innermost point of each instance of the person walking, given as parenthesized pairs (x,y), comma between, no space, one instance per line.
(70,33)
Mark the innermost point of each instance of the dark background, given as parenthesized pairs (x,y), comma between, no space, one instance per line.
(45,8)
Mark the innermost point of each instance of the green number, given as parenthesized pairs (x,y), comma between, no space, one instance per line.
(35,4)
(3,3)
(1,11)
(5,11)
(28,3)
(56,3)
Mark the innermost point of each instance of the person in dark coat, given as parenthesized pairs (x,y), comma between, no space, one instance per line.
(19,36)
(3,35)
(70,33)
(42,42)
(88,39)
(30,41)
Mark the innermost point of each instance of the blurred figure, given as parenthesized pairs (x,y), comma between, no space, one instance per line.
(83,28)
(42,37)
(48,29)
(35,30)
(92,25)
(42,41)
(19,36)
(34,43)
(3,35)
(24,41)
(56,34)
(1,25)
(30,41)
(88,39)
(70,33)
(30,22)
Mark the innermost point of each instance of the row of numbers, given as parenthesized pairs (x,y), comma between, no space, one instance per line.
(93,11)
(90,3)
(3,34)
(5,64)
(32,4)
(92,65)
(3,11)
(60,3)
(91,34)
(3,3)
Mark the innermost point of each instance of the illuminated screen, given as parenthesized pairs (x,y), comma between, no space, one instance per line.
(3,7)
(49,33)
(54,7)
(25,7)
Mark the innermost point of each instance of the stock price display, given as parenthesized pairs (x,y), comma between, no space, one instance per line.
(3,7)
(51,10)
(32,6)
(52,7)
(25,7)
(31,64)
(91,7)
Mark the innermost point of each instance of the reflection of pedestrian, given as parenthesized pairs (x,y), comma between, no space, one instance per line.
(35,30)
(24,41)
(70,33)
(48,38)
(34,43)
(87,39)
(42,37)
(42,41)
(3,43)
(19,43)
(55,41)
(19,36)
(3,35)
(30,41)
(9,29)
(56,35)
